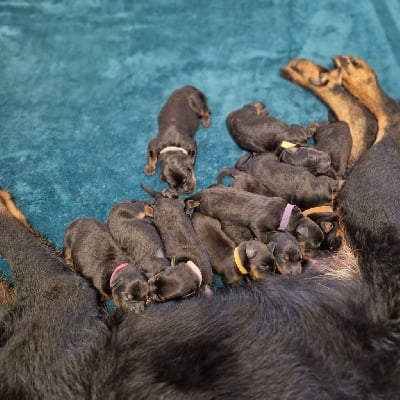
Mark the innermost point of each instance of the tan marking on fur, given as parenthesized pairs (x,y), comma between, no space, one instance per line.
(9,205)
(7,292)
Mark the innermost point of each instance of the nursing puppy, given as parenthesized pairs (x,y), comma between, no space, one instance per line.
(137,236)
(91,251)
(259,213)
(233,262)
(179,238)
(254,130)
(174,146)
(294,184)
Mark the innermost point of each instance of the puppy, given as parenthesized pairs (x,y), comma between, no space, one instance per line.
(137,236)
(294,184)
(259,213)
(315,161)
(91,251)
(174,146)
(254,130)
(327,85)
(250,258)
(175,282)
(244,181)
(334,138)
(179,238)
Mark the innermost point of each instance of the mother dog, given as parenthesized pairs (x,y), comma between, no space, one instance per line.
(297,337)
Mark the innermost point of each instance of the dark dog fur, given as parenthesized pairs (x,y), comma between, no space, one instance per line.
(174,146)
(137,236)
(294,184)
(261,214)
(255,257)
(254,130)
(91,251)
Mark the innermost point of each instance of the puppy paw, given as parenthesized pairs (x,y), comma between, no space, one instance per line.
(149,170)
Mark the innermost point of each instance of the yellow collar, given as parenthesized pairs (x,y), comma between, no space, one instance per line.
(238,262)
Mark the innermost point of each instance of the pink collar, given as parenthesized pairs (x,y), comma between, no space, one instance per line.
(121,266)
(285,217)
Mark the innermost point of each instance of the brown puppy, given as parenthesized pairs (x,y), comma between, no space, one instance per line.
(91,251)
(259,213)
(244,181)
(327,85)
(174,145)
(137,236)
(175,282)
(315,161)
(250,258)
(179,238)
(254,130)
(334,138)
(294,184)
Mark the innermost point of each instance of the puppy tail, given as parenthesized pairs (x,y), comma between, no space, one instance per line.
(240,164)
(149,190)
(233,172)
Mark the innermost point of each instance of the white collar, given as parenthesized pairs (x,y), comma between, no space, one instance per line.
(173,148)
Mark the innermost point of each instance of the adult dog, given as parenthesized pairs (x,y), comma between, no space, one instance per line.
(280,338)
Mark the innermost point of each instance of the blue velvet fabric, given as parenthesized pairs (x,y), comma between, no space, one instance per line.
(82,82)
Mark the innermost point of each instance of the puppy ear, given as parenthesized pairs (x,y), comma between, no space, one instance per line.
(326,226)
(302,230)
(190,204)
(250,250)
(271,246)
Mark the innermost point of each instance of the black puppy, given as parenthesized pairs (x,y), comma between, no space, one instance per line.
(244,181)
(179,238)
(137,236)
(174,145)
(91,251)
(334,138)
(175,282)
(315,161)
(259,213)
(254,130)
(294,184)
(250,258)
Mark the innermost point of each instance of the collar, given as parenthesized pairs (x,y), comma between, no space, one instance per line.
(121,266)
(285,217)
(173,148)
(320,209)
(238,262)
(287,145)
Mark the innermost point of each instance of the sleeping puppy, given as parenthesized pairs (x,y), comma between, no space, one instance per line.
(179,238)
(294,184)
(233,262)
(315,161)
(244,181)
(174,146)
(335,139)
(254,130)
(91,251)
(259,213)
(175,282)
(137,236)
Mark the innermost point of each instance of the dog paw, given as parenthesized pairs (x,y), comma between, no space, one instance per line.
(149,170)
(8,205)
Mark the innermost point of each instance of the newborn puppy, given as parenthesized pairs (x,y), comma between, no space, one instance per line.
(334,138)
(174,145)
(137,236)
(254,130)
(175,282)
(286,251)
(91,251)
(250,258)
(294,184)
(315,161)
(180,240)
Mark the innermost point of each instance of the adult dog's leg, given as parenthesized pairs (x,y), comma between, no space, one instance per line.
(327,85)
(53,327)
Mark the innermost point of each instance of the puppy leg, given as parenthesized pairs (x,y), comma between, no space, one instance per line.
(152,156)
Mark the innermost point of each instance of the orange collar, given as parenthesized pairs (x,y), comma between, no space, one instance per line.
(319,209)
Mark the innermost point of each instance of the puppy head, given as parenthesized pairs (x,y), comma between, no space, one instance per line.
(287,252)
(315,161)
(175,282)
(177,169)
(329,224)
(309,234)
(129,289)
(258,258)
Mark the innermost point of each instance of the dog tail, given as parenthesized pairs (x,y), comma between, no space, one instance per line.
(233,172)
(169,194)
(149,190)
(240,164)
